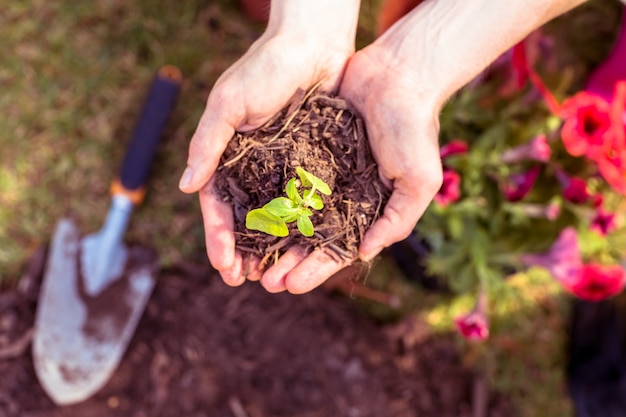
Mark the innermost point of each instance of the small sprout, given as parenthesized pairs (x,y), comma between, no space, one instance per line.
(273,217)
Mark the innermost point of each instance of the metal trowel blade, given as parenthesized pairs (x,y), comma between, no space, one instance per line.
(80,339)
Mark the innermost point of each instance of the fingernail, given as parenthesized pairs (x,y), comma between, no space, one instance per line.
(186,178)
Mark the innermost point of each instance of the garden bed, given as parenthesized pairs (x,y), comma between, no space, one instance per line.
(205,349)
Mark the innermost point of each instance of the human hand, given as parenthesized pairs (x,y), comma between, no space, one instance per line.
(402,119)
(302,46)
(400,83)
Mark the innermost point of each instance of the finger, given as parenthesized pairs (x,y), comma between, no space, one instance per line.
(273,279)
(215,129)
(219,237)
(234,276)
(251,268)
(400,215)
(312,271)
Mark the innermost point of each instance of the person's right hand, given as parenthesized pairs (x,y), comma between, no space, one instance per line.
(301,47)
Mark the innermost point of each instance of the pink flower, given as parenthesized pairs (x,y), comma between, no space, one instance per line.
(454,147)
(574,188)
(563,259)
(537,149)
(596,282)
(603,222)
(450,188)
(591,282)
(519,185)
(474,326)
(549,211)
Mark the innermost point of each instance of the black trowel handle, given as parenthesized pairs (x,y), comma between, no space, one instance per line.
(156,110)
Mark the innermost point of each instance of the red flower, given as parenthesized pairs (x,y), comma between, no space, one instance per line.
(450,188)
(603,222)
(597,200)
(519,185)
(519,64)
(612,167)
(597,282)
(612,160)
(595,128)
(474,326)
(587,124)
(454,147)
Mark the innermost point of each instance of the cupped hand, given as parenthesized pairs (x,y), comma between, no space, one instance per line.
(402,119)
(248,94)
(401,114)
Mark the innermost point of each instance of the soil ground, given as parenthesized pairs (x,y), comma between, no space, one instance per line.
(205,349)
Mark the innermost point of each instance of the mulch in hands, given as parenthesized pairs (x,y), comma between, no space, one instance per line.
(203,349)
(323,135)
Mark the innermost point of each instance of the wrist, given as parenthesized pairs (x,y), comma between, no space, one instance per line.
(329,23)
(446,43)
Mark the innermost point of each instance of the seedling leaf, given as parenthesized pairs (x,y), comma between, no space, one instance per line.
(313,200)
(305,226)
(310,180)
(281,207)
(292,191)
(263,221)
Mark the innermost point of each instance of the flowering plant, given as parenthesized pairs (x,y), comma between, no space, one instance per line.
(528,181)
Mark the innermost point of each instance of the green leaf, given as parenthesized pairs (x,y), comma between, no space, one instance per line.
(292,191)
(263,221)
(455,227)
(281,207)
(305,226)
(314,200)
(463,280)
(310,180)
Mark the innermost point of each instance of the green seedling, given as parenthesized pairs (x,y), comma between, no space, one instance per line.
(273,217)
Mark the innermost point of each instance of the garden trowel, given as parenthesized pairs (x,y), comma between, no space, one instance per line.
(95,288)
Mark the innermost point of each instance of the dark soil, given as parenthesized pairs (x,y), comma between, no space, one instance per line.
(321,134)
(205,349)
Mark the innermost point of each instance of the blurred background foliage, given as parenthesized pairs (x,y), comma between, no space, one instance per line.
(72,79)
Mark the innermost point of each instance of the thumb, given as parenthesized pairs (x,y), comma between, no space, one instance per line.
(398,220)
(404,208)
(207,144)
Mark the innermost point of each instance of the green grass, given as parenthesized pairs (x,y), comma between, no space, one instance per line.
(73,78)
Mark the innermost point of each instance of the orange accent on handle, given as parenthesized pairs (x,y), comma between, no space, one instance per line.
(171,72)
(135,196)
